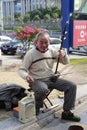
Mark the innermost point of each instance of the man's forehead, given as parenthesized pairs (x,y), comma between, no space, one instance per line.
(45,40)
(44,37)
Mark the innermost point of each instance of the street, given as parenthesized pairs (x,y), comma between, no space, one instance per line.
(11,59)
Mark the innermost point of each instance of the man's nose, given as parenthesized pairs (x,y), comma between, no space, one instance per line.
(44,44)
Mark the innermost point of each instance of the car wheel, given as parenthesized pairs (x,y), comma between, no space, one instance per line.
(5,52)
(13,52)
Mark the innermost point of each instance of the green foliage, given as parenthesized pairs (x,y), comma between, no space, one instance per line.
(48,11)
(26,18)
(19,19)
(38,14)
(55,15)
(34,13)
(16,14)
(36,17)
(56,10)
(79,16)
(77,61)
(46,17)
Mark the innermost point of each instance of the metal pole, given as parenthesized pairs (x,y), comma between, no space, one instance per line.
(1,15)
(67,8)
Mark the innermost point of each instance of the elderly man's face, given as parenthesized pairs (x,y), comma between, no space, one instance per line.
(42,43)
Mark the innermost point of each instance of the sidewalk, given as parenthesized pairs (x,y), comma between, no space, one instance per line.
(45,118)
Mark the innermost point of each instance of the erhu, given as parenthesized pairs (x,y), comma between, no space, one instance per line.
(57,74)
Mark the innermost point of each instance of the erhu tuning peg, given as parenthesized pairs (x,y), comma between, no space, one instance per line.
(64,38)
(65,32)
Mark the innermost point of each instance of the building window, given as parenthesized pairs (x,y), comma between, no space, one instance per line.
(33,7)
(36,6)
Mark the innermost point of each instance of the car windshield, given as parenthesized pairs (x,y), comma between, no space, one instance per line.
(12,42)
(55,41)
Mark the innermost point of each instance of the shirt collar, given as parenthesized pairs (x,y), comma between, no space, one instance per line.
(39,50)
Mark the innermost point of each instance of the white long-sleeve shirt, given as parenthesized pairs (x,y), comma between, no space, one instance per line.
(39,65)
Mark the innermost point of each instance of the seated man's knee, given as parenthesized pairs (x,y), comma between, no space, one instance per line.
(41,89)
(73,87)
(42,93)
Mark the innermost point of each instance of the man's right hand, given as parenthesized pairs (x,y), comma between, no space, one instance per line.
(30,80)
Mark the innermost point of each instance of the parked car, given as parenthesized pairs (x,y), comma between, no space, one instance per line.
(55,43)
(4,39)
(79,49)
(10,47)
(22,49)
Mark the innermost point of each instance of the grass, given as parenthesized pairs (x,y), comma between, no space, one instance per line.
(78,61)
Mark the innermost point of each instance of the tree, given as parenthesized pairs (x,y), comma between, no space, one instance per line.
(16,15)
(48,11)
(35,12)
(56,10)
(19,19)
(36,17)
(26,18)
(41,13)
(26,35)
(55,15)
(47,17)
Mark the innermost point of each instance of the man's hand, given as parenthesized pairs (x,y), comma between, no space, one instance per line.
(61,53)
(30,80)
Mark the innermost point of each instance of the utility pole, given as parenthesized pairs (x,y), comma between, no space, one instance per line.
(1,16)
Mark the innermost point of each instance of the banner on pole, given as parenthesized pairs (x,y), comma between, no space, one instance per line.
(79,33)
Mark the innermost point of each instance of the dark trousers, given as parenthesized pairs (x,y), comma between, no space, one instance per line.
(41,88)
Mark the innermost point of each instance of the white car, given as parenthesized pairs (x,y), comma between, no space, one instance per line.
(4,39)
(54,43)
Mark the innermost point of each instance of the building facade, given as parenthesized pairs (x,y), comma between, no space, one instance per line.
(1,16)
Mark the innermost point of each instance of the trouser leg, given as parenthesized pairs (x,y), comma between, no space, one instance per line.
(70,96)
(40,89)
(69,90)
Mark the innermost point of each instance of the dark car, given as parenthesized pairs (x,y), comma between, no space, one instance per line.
(10,47)
(79,49)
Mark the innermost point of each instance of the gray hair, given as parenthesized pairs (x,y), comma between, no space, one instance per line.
(42,33)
